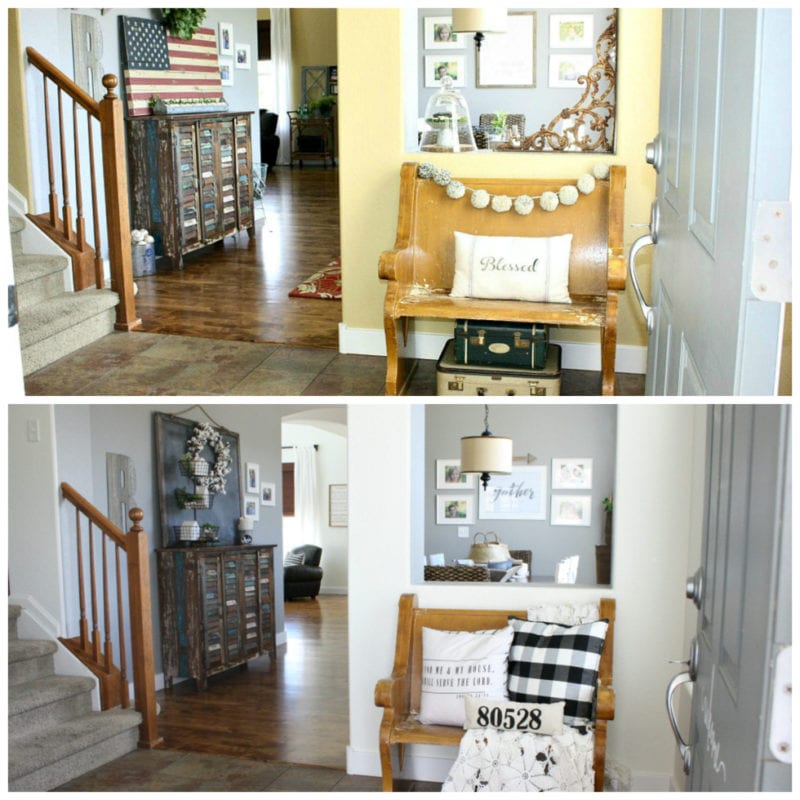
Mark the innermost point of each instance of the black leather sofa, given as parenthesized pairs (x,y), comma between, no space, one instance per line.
(270,142)
(303,580)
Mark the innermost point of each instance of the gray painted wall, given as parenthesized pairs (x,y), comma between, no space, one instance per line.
(539,104)
(547,432)
(84,434)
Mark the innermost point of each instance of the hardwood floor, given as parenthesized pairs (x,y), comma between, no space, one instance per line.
(294,711)
(238,290)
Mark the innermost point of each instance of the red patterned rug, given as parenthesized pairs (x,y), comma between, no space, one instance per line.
(323,285)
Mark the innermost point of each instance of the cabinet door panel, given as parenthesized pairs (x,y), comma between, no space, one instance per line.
(211,617)
(227,175)
(209,180)
(266,595)
(187,176)
(244,172)
(232,609)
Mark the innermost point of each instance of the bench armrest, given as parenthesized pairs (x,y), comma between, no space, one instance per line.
(606,701)
(392,693)
(396,265)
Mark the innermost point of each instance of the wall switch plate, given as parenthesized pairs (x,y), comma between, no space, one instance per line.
(32,430)
(463,532)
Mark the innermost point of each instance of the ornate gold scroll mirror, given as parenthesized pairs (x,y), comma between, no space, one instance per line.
(588,125)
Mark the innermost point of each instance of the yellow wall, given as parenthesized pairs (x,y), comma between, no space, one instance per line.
(313,42)
(18,157)
(371,150)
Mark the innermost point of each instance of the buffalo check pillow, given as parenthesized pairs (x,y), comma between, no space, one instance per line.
(548,663)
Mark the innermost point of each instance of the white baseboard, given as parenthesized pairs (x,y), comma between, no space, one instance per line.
(333,590)
(429,346)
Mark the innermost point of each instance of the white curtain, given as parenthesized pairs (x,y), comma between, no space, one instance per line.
(306,499)
(281,44)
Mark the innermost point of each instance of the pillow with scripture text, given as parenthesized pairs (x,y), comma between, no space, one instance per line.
(458,664)
(512,267)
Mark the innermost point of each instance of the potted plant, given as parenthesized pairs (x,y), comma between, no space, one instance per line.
(183,22)
(322,106)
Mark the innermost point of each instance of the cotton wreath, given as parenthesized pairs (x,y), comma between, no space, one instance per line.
(206,435)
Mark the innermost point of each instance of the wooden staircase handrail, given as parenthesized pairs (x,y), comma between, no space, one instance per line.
(94,514)
(135,545)
(87,263)
(63,81)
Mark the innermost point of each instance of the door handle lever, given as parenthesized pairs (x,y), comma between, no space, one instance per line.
(647,311)
(684,748)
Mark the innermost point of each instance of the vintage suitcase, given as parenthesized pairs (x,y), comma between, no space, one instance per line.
(501,343)
(469,379)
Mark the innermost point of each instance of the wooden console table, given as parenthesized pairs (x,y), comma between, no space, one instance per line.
(311,137)
(191,179)
(217,608)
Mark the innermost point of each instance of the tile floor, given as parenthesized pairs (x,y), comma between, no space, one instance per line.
(157,364)
(175,771)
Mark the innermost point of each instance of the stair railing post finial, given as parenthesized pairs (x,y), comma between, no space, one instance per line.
(144,687)
(112,132)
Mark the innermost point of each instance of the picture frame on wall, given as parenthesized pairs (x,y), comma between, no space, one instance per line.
(571,31)
(226,72)
(509,59)
(574,510)
(225,42)
(250,508)
(251,481)
(566,68)
(242,56)
(455,509)
(436,67)
(337,505)
(450,476)
(267,494)
(439,34)
(571,473)
(520,495)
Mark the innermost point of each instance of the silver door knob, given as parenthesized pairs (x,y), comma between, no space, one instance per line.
(653,153)
(648,312)
(683,747)
(694,588)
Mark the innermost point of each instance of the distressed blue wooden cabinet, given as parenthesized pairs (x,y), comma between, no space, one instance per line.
(191,179)
(217,608)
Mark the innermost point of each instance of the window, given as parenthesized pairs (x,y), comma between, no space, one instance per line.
(288,490)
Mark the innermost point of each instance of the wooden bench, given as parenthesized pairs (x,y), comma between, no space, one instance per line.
(399,696)
(420,268)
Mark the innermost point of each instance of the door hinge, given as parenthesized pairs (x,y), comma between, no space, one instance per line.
(771,273)
(780,729)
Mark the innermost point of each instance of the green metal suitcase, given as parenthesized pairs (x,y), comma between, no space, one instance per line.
(512,344)
(464,380)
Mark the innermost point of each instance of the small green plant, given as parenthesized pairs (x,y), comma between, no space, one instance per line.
(498,121)
(608,504)
(183,498)
(323,105)
(183,22)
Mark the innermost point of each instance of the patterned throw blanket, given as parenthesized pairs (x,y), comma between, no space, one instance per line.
(510,761)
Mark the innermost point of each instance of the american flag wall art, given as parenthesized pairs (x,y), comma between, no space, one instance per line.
(166,66)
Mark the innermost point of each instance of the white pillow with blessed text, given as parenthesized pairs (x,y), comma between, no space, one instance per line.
(512,267)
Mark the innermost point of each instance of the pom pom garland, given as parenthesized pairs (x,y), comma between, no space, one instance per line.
(523,204)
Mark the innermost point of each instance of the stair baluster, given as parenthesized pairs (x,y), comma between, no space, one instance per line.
(87,263)
(98,656)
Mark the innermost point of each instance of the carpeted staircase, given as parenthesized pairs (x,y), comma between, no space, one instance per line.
(53,734)
(53,322)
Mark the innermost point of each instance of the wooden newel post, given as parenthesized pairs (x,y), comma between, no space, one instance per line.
(117,207)
(144,684)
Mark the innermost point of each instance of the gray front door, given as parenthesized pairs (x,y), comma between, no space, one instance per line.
(743,594)
(721,223)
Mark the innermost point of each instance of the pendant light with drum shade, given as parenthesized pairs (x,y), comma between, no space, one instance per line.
(486,454)
(480,21)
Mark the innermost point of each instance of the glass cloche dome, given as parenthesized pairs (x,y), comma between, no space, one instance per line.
(447,124)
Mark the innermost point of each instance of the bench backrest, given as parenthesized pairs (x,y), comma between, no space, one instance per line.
(472,620)
(428,217)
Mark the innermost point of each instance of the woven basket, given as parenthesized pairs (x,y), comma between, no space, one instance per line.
(486,551)
(457,573)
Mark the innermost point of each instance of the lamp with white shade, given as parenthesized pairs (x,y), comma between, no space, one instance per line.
(486,454)
(480,21)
